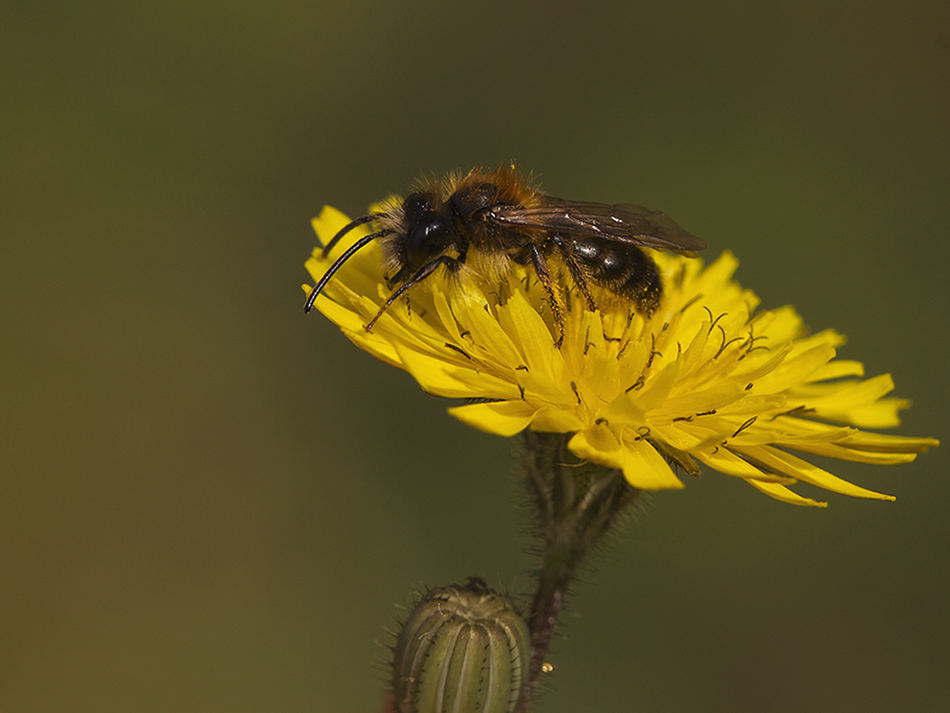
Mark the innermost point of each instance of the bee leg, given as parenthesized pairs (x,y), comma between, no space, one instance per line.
(576,273)
(422,273)
(544,275)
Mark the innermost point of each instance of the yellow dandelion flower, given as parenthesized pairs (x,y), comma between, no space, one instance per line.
(704,379)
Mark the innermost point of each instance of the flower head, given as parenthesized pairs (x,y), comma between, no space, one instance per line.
(704,379)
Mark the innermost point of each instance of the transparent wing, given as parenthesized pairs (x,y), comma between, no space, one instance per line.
(623,222)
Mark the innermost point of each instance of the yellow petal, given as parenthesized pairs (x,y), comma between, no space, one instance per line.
(780,492)
(442,378)
(808,473)
(525,324)
(646,469)
(552,419)
(796,368)
(725,461)
(598,445)
(503,418)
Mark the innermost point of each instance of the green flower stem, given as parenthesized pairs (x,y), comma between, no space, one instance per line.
(575,503)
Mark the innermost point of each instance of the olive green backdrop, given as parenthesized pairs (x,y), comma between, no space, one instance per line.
(211,503)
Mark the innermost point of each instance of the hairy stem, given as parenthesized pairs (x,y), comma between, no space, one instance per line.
(575,504)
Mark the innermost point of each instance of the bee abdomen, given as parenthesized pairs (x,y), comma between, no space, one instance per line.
(621,268)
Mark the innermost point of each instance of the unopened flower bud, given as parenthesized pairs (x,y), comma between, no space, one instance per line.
(463,648)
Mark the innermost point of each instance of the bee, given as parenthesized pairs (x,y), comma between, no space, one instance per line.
(501,218)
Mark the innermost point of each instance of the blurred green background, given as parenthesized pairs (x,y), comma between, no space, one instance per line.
(211,503)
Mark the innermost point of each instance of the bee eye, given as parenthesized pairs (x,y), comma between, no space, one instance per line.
(427,240)
(426,232)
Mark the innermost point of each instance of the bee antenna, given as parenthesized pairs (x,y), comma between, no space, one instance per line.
(348,227)
(350,252)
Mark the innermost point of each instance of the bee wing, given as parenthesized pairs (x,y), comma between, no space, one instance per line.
(624,222)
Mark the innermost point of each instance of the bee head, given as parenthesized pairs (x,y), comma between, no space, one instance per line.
(427,232)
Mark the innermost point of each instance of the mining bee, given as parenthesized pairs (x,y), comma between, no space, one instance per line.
(499,217)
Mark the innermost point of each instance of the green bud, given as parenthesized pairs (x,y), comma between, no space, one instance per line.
(463,648)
